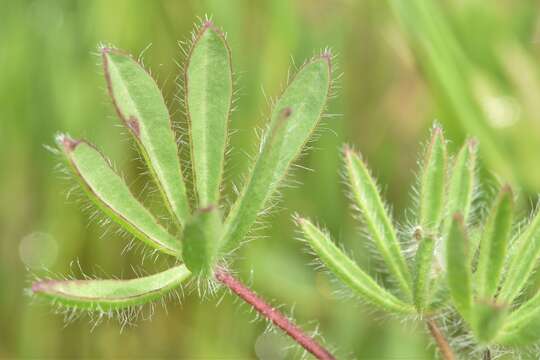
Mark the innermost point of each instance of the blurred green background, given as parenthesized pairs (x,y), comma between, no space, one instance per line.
(470,64)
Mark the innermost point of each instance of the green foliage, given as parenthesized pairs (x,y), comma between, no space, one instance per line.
(292,122)
(200,239)
(141,107)
(108,295)
(432,182)
(348,272)
(479,284)
(367,198)
(458,266)
(203,233)
(208,95)
(111,194)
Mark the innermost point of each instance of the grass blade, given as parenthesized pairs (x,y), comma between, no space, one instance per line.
(348,272)
(140,105)
(523,261)
(293,120)
(208,95)
(450,73)
(109,295)
(432,184)
(377,220)
(200,240)
(458,267)
(494,244)
(111,194)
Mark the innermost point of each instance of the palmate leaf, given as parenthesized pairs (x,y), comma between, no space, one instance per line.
(377,220)
(293,120)
(140,105)
(208,94)
(110,295)
(348,272)
(111,194)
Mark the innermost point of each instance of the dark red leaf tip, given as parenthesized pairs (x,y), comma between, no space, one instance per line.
(133,124)
(207,209)
(68,143)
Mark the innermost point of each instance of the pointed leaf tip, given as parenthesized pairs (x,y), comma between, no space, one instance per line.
(67,143)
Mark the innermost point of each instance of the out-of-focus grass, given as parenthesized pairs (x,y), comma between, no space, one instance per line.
(50,81)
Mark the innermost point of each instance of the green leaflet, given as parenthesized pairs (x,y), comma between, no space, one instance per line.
(293,120)
(366,197)
(523,325)
(523,261)
(462,182)
(348,272)
(200,240)
(141,107)
(422,272)
(111,194)
(432,185)
(494,244)
(488,320)
(109,295)
(458,267)
(208,95)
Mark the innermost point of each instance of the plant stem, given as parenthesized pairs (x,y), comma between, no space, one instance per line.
(272,314)
(442,344)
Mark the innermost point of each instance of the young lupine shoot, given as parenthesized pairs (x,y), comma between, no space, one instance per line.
(474,288)
(140,105)
(348,272)
(459,266)
(200,236)
(208,95)
(376,218)
(494,243)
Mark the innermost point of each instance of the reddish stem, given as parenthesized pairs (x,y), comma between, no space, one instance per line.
(440,340)
(273,315)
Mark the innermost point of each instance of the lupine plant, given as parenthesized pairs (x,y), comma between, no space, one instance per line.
(464,271)
(201,231)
